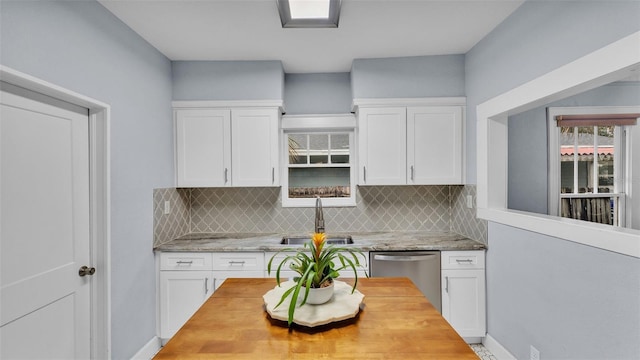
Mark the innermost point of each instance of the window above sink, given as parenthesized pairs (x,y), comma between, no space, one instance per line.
(319,160)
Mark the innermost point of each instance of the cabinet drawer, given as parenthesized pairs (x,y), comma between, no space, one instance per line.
(364,262)
(238,261)
(462,259)
(185,261)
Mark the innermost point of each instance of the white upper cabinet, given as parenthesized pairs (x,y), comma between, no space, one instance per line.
(382,134)
(434,145)
(203,147)
(254,147)
(232,146)
(410,145)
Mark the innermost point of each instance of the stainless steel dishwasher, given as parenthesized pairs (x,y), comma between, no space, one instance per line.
(422,267)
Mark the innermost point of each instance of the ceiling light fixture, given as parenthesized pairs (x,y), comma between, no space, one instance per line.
(309,13)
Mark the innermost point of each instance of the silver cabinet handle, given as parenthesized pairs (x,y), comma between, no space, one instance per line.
(182,262)
(273,175)
(466,261)
(403,257)
(232,262)
(206,285)
(364,174)
(411,172)
(226,175)
(446,286)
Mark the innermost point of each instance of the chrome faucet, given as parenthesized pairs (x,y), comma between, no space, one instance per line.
(319,216)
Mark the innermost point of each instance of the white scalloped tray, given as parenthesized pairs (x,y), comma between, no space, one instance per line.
(343,305)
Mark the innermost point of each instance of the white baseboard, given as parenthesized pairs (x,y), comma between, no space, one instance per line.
(497,349)
(148,350)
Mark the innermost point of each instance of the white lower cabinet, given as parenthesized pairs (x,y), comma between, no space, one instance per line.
(182,293)
(463,292)
(237,264)
(188,279)
(286,274)
(186,282)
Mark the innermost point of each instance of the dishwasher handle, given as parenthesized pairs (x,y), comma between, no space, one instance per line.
(403,257)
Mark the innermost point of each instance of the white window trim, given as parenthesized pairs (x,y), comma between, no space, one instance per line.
(615,61)
(620,163)
(317,124)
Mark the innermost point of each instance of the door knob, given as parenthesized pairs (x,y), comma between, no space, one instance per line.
(85,270)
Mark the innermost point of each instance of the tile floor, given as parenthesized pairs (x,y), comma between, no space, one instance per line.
(482,352)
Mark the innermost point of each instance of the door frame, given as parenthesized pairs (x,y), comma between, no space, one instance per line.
(99,200)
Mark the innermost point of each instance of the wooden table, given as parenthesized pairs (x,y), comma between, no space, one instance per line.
(397,322)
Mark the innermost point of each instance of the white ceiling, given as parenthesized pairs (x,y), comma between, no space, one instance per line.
(251,30)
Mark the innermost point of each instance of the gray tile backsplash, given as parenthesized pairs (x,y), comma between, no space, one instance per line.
(167,227)
(464,220)
(378,208)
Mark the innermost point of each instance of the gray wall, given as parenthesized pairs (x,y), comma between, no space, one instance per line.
(416,76)
(528,143)
(81,46)
(227,80)
(537,38)
(570,302)
(328,93)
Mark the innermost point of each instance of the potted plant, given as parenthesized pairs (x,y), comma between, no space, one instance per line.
(316,267)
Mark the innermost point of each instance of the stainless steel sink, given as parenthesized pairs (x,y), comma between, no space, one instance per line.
(300,240)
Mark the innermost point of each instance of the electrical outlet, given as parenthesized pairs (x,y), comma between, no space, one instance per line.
(469,201)
(534,354)
(167,207)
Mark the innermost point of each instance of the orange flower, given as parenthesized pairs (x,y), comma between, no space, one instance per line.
(318,243)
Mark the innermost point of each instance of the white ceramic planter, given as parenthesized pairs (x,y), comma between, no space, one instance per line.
(320,295)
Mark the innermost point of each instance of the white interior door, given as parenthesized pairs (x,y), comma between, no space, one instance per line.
(44,227)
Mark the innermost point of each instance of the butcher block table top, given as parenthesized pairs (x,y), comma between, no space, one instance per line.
(396,322)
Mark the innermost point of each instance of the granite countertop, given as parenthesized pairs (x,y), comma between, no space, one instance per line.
(365,241)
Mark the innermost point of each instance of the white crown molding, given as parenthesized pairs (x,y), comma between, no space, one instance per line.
(318,121)
(195,104)
(425,101)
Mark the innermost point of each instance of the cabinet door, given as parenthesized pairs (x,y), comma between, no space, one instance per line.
(220,276)
(434,145)
(203,147)
(463,301)
(181,294)
(254,139)
(382,146)
(285,272)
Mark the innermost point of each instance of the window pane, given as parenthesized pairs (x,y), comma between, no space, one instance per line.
(297,148)
(566,176)
(311,174)
(325,182)
(605,159)
(340,141)
(566,159)
(340,159)
(339,148)
(585,159)
(319,149)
